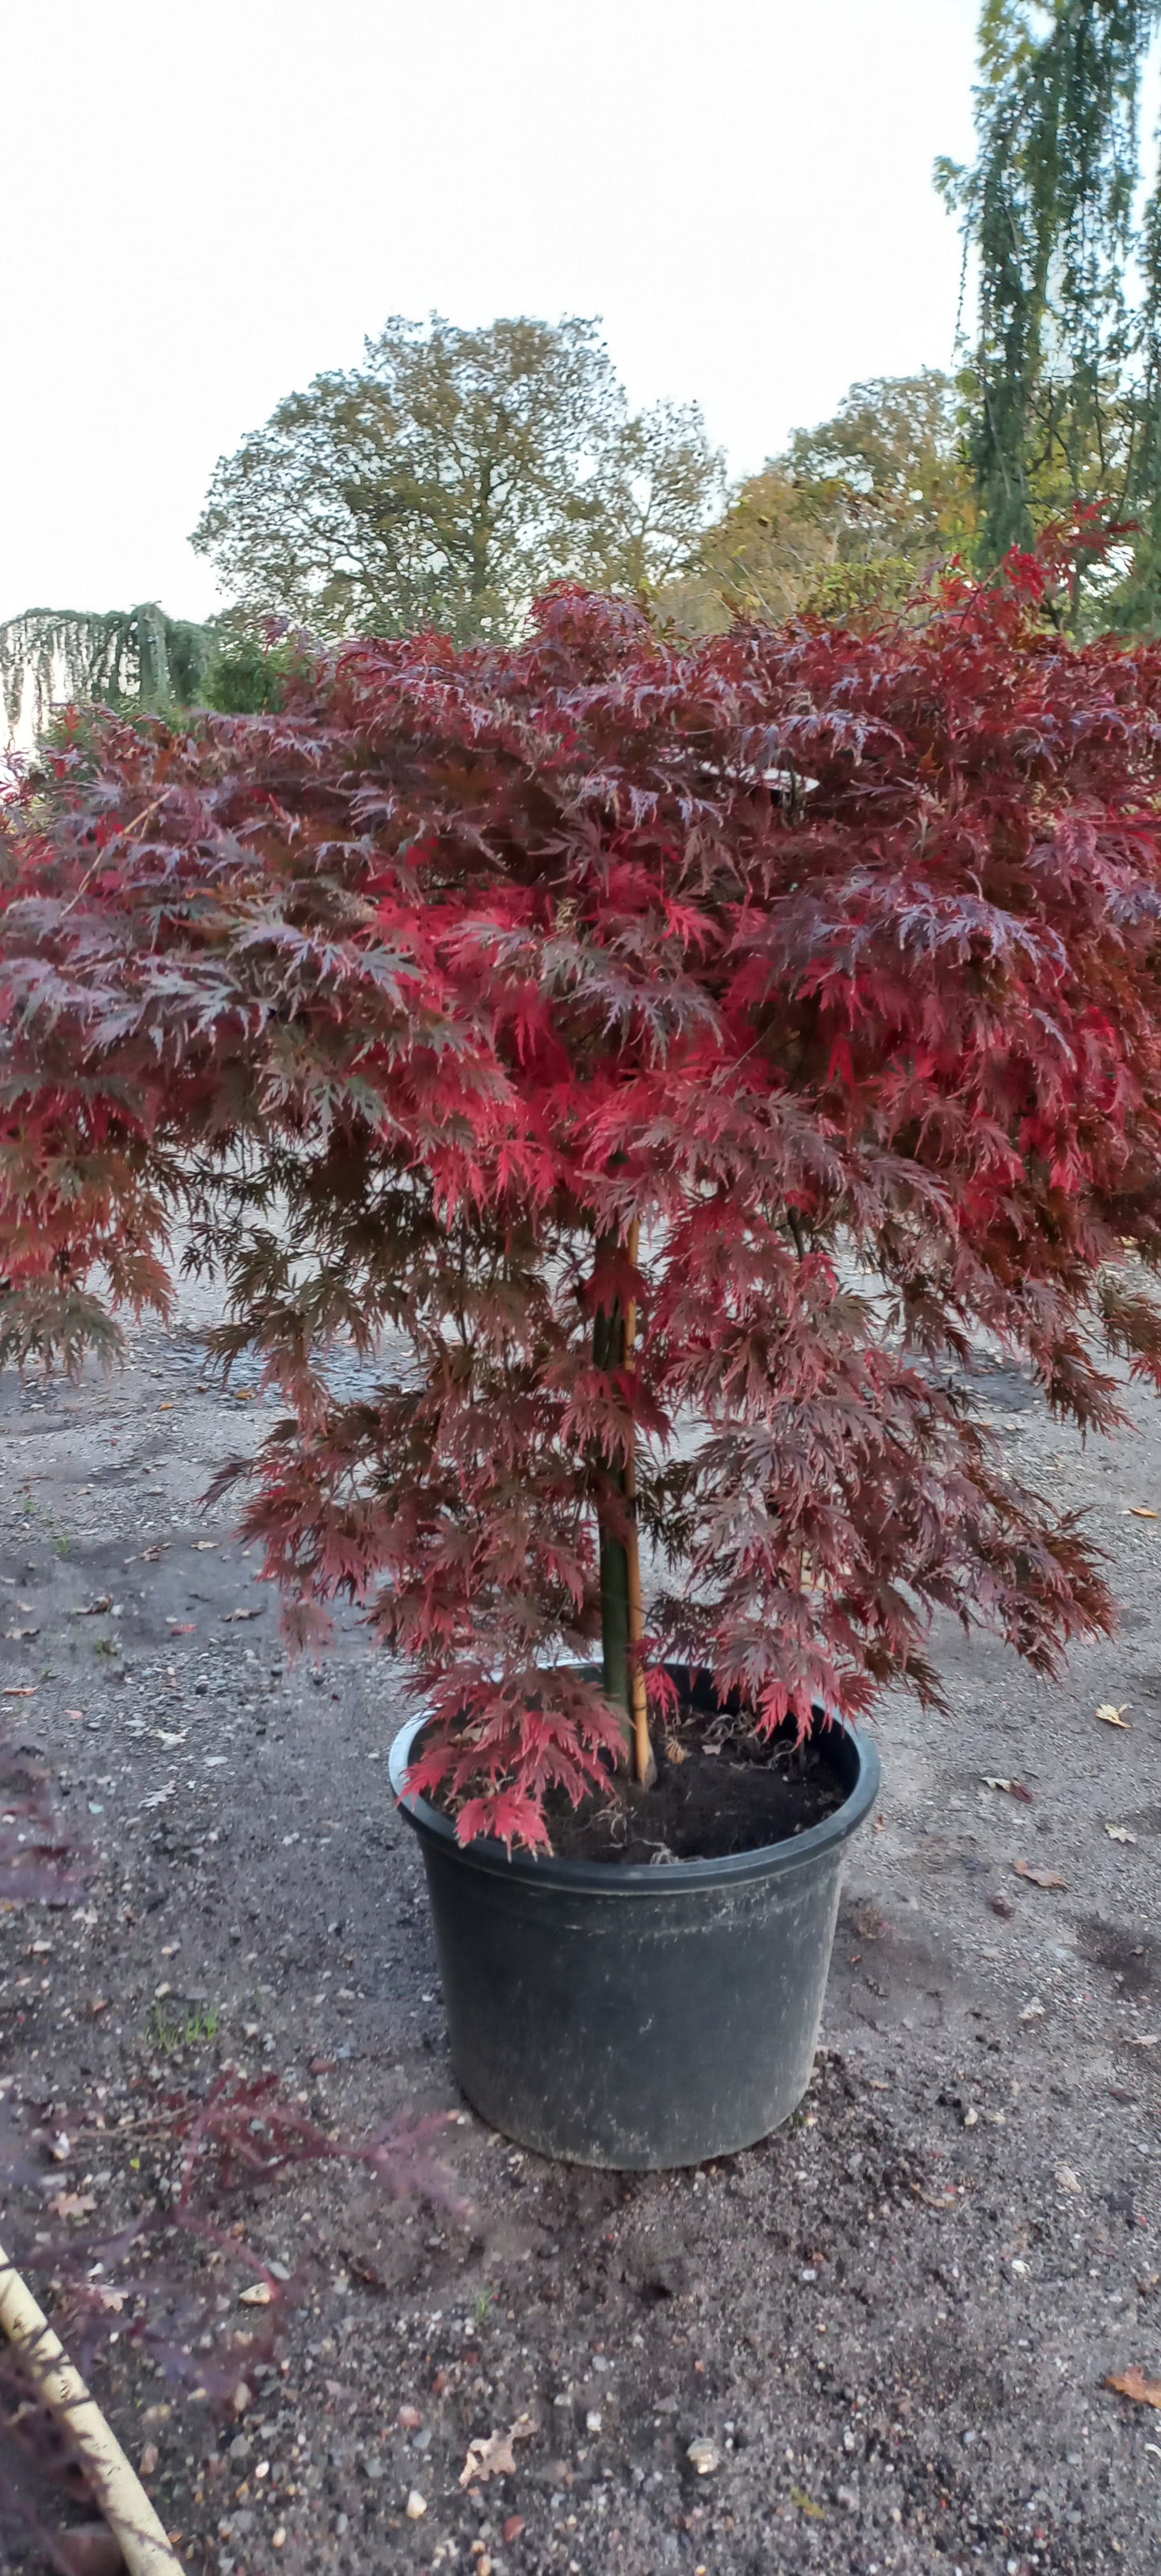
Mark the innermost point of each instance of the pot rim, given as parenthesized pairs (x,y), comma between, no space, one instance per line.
(640,1878)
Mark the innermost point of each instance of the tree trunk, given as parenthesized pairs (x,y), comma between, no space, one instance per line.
(622,1604)
(609,1352)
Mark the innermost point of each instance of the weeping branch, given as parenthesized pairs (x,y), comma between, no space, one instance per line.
(135,654)
(1068,327)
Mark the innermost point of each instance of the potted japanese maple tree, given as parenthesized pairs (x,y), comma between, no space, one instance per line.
(664,1069)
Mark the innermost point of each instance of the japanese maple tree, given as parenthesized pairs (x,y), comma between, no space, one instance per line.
(663,1067)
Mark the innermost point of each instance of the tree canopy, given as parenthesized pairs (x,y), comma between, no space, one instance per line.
(852,514)
(449,478)
(477,994)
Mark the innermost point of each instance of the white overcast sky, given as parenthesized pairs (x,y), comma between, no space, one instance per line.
(204,206)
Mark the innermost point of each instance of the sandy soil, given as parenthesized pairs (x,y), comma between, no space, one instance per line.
(891,2323)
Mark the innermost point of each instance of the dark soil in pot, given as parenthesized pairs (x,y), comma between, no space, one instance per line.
(735,1794)
(720,1788)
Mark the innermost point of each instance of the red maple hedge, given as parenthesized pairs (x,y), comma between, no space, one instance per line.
(829,960)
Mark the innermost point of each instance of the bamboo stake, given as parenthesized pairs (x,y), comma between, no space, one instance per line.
(644,1765)
(145,2546)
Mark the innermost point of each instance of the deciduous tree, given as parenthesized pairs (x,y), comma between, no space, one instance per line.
(577,1031)
(852,515)
(449,478)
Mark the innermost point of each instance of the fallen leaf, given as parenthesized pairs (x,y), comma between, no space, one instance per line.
(148,2461)
(93,1609)
(1141,1512)
(704,2457)
(1112,1716)
(1149,2039)
(1038,1877)
(20,1636)
(513,2528)
(241,1614)
(90,2549)
(99,2004)
(149,1555)
(1067,2179)
(492,2456)
(1133,2383)
(72,2204)
(259,2295)
(1013,1788)
(1119,1834)
(807,2505)
(935,2200)
(203,1545)
(182,1627)
(20,1690)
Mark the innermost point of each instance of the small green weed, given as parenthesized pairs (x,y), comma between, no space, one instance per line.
(193,2028)
(486,2300)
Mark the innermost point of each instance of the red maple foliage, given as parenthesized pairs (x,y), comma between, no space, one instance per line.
(831,960)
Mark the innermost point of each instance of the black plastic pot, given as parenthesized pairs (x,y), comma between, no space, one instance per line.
(633,2016)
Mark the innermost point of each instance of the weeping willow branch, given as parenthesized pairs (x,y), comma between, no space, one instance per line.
(138,654)
(1068,328)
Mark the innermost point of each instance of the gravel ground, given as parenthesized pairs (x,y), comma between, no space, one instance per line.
(889,2326)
